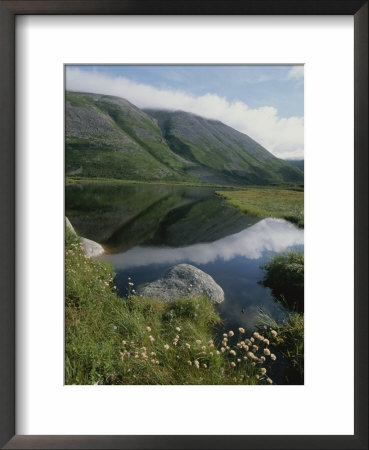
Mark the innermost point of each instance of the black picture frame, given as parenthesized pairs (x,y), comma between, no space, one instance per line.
(8,12)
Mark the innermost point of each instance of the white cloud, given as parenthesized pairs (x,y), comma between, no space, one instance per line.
(284,137)
(296,73)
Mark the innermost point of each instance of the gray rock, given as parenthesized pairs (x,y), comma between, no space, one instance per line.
(69,225)
(183,280)
(91,248)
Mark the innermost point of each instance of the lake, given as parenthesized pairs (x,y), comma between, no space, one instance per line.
(148,228)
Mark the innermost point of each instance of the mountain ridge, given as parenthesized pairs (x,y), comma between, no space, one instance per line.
(110,137)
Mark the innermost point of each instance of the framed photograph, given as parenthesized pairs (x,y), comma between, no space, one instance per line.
(184,224)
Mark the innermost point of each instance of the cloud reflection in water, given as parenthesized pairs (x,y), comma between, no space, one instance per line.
(268,234)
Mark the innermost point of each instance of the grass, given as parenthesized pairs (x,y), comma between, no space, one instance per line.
(284,274)
(287,204)
(137,340)
(289,341)
(77,179)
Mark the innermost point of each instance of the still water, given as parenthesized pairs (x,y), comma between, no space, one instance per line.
(148,228)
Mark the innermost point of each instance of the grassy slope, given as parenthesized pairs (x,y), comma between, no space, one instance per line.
(143,155)
(107,340)
(300,163)
(284,203)
(225,151)
(251,170)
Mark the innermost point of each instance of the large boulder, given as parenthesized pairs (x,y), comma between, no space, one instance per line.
(91,248)
(183,280)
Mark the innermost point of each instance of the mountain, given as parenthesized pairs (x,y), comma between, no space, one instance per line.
(110,137)
(297,163)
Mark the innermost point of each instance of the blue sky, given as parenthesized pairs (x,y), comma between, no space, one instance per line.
(254,85)
(266,102)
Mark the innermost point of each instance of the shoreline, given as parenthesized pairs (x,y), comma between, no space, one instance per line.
(69,181)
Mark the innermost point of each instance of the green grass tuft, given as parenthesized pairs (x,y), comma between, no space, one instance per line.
(284,274)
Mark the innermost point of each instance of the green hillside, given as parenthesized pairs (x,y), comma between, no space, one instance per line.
(297,163)
(219,153)
(108,137)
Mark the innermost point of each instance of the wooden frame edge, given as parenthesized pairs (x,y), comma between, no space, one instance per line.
(8,11)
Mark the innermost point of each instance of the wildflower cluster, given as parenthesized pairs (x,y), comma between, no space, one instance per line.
(132,350)
(252,351)
(236,359)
